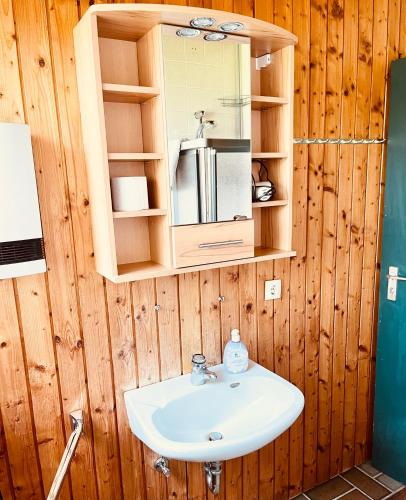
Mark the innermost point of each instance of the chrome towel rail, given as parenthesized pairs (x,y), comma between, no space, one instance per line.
(330,140)
(77,426)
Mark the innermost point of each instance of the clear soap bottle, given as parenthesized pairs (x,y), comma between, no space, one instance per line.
(235,354)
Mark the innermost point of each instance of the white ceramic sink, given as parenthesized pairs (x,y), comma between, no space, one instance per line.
(174,418)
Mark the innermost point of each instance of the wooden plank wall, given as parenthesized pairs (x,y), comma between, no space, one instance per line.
(70,340)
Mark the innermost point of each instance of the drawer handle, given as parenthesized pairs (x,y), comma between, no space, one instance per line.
(216,244)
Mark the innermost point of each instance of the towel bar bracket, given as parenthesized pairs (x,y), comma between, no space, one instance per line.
(76,419)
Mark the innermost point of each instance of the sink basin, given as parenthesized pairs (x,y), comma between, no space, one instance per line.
(249,410)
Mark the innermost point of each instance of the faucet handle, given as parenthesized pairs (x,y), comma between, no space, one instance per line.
(199,114)
(198,359)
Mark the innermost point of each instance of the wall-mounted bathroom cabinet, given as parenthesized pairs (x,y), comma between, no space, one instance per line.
(120,71)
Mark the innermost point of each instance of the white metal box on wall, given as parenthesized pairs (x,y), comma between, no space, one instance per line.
(21,241)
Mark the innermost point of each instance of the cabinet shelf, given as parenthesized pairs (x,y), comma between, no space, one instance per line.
(267,156)
(264,253)
(273,203)
(140,271)
(150,269)
(151,212)
(260,102)
(113,92)
(135,156)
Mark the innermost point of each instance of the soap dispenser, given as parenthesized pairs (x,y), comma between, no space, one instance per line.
(235,354)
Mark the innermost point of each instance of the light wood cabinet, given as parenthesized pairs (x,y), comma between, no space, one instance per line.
(120,78)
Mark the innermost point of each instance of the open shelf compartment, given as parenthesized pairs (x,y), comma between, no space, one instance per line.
(135,94)
(133,117)
(132,103)
(155,173)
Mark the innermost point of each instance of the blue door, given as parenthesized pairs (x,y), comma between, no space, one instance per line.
(389,437)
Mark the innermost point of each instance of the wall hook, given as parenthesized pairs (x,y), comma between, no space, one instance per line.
(157,307)
(221,298)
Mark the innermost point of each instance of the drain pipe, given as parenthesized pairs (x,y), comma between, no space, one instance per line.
(213,476)
(213,469)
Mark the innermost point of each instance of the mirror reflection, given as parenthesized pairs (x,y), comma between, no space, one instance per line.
(208,119)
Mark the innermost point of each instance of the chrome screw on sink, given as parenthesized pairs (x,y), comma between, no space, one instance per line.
(161,464)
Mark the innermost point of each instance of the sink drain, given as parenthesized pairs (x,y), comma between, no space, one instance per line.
(215,436)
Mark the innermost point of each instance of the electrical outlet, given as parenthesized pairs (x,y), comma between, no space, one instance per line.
(273,289)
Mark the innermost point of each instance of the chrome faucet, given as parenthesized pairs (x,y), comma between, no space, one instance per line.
(203,124)
(200,374)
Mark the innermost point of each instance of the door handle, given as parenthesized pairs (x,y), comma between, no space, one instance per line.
(393,278)
(397,278)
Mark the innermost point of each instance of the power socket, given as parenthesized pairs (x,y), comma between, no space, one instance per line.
(273,289)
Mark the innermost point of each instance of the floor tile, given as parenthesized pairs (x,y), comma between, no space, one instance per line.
(389,482)
(366,484)
(400,495)
(354,495)
(369,469)
(327,491)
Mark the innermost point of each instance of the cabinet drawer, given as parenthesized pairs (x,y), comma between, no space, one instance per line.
(208,243)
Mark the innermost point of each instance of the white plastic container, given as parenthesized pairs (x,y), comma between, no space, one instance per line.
(129,194)
(235,354)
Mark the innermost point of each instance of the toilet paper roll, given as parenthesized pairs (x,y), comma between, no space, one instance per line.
(129,194)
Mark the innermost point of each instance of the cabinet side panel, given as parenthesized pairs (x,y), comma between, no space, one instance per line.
(150,70)
(94,138)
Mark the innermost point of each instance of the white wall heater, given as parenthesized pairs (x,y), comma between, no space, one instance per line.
(21,241)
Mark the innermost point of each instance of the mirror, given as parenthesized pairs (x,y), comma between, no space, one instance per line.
(208,120)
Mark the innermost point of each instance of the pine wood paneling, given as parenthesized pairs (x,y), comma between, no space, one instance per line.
(344,211)
(248,327)
(282,17)
(70,339)
(330,175)
(20,466)
(230,318)
(43,382)
(301,26)
(123,355)
(265,312)
(374,183)
(318,46)
(15,408)
(5,477)
(361,156)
